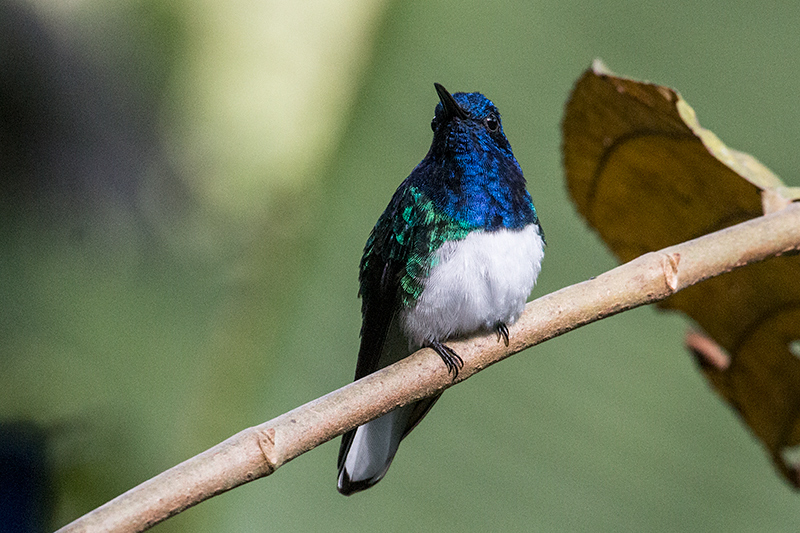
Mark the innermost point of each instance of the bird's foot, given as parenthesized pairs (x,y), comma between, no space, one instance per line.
(502,332)
(451,359)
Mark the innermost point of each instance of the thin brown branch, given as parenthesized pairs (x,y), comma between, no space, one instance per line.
(259,450)
(708,353)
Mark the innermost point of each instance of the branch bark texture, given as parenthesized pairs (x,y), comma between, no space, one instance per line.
(258,451)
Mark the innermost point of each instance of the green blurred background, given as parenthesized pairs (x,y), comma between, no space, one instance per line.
(186,190)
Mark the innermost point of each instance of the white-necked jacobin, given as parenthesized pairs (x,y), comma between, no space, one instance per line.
(456,252)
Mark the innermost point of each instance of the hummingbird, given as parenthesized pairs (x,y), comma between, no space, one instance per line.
(456,252)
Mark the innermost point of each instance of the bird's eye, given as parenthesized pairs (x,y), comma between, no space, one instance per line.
(491,123)
(433,123)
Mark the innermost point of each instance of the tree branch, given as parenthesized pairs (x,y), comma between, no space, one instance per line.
(258,451)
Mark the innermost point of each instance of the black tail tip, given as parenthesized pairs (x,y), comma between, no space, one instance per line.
(349,487)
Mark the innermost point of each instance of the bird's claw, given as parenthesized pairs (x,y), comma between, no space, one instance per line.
(451,359)
(502,332)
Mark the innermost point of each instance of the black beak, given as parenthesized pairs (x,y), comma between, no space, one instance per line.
(451,107)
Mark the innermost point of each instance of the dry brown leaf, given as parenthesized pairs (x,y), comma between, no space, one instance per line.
(647,176)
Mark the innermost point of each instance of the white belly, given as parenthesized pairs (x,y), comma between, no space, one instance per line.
(476,283)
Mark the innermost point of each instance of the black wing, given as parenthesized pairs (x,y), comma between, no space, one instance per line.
(379,278)
(382,266)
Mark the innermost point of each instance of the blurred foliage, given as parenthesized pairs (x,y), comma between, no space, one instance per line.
(646,176)
(167,283)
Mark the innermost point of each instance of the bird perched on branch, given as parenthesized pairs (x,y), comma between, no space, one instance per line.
(456,252)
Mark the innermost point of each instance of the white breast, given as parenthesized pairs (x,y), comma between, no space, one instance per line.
(476,283)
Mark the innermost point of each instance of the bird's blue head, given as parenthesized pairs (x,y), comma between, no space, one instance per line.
(470,173)
(464,121)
